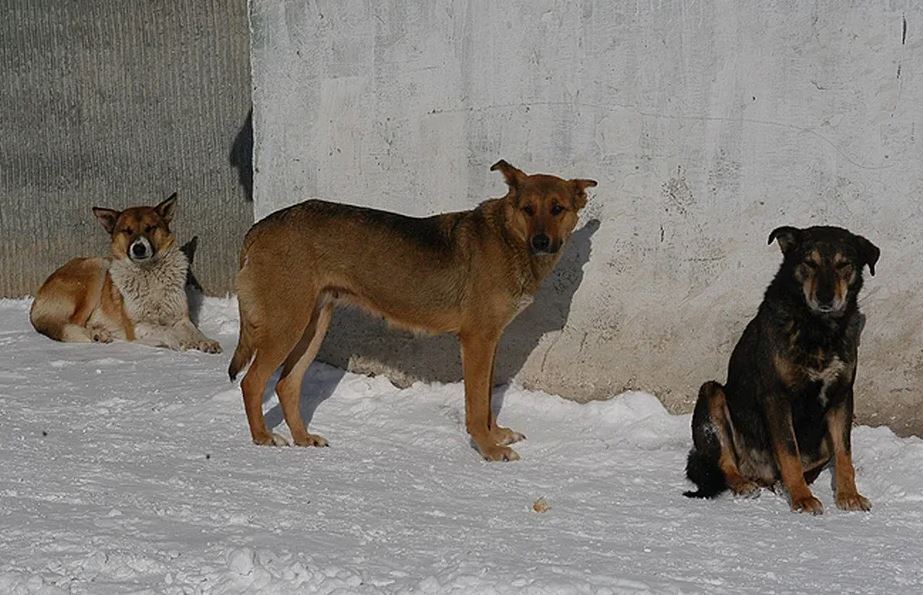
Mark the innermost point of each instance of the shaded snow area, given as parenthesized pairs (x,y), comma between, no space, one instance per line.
(125,468)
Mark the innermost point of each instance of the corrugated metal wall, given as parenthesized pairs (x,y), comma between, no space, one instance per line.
(112,103)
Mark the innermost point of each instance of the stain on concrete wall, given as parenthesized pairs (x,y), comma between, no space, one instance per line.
(706,124)
(115,104)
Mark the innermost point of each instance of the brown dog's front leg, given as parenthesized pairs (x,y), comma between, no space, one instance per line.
(477,362)
(839,431)
(788,458)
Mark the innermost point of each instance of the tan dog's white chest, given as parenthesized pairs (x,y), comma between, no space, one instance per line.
(153,294)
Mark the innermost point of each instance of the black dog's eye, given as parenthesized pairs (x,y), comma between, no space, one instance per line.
(843,266)
(528,210)
(810,264)
(556,209)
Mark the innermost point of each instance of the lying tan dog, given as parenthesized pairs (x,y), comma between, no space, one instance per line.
(138,294)
(468,273)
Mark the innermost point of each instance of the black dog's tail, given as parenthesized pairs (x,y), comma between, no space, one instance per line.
(705,473)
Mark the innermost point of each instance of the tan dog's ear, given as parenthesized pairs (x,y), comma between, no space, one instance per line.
(107,217)
(167,208)
(513,176)
(580,186)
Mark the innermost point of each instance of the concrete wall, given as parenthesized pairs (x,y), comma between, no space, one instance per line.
(111,103)
(706,124)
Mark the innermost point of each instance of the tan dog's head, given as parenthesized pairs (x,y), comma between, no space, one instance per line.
(140,234)
(541,210)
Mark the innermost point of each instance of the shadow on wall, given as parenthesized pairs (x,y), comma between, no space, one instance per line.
(364,344)
(241,156)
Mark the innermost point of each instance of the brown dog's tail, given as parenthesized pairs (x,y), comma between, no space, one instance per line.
(242,355)
(244,352)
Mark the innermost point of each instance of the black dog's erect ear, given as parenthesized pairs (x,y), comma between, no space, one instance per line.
(107,217)
(167,208)
(869,253)
(513,176)
(788,237)
(580,186)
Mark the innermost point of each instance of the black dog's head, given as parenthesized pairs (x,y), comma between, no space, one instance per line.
(826,262)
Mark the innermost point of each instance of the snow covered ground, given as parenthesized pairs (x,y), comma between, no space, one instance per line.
(124,468)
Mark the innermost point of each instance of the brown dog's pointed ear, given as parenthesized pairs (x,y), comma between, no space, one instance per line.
(580,186)
(167,208)
(869,253)
(788,237)
(107,217)
(513,176)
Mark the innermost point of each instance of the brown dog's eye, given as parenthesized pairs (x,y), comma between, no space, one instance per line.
(150,228)
(128,231)
(528,210)
(556,209)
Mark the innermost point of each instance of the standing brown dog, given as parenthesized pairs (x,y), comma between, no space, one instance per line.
(468,273)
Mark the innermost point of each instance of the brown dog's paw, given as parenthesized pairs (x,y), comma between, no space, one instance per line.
(505,436)
(746,489)
(808,504)
(853,501)
(311,440)
(499,453)
(270,439)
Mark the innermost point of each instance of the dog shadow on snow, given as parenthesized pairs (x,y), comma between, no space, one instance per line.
(363,343)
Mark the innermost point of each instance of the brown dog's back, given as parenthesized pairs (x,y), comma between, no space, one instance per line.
(410,270)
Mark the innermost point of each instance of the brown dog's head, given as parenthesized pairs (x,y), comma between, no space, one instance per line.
(541,210)
(140,234)
(826,263)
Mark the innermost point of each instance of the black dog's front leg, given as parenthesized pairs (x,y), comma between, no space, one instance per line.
(785,450)
(839,432)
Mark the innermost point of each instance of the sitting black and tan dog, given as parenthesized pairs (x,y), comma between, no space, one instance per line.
(787,408)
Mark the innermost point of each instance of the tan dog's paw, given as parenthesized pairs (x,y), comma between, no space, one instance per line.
(505,436)
(271,439)
(853,501)
(209,346)
(746,489)
(499,453)
(311,440)
(206,346)
(100,335)
(808,504)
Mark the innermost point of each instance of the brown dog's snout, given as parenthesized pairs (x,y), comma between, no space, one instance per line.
(540,242)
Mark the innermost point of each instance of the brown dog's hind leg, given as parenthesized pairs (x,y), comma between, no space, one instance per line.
(477,358)
(293,370)
(716,407)
(272,346)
